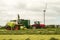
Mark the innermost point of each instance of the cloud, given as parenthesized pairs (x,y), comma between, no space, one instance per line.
(30,9)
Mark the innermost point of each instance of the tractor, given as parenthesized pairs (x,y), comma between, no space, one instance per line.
(38,25)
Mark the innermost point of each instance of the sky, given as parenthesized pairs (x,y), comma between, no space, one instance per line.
(31,10)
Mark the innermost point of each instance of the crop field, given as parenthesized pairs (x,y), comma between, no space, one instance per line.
(29,37)
(48,31)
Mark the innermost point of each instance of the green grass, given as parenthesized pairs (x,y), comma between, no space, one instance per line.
(48,31)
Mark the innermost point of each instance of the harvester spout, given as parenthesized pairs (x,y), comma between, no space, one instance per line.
(18,19)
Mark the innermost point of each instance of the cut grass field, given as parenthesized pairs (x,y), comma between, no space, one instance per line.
(30,34)
(29,37)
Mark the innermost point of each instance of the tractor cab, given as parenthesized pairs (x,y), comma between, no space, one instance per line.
(38,25)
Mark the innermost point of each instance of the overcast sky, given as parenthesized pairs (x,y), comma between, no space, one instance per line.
(30,9)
